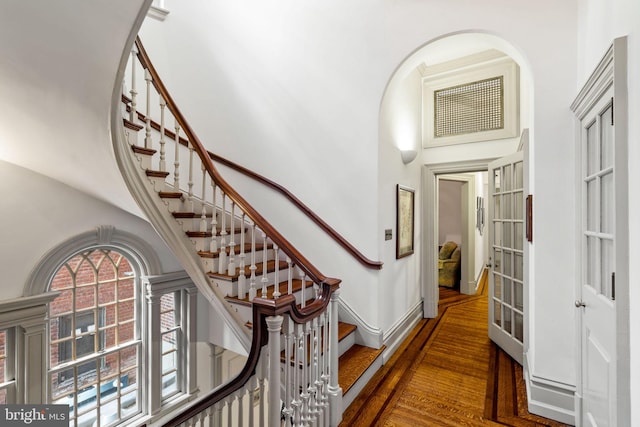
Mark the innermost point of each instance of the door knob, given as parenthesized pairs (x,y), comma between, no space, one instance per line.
(579,304)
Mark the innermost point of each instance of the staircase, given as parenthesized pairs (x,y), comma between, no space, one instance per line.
(267,294)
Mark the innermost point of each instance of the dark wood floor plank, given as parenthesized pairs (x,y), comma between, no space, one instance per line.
(447,373)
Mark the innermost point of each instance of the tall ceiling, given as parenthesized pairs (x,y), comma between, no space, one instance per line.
(57,76)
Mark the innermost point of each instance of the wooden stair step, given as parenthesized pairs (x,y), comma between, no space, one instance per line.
(196,234)
(142,150)
(271,267)
(345,329)
(133,126)
(296,285)
(190,215)
(170,194)
(247,250)
(354,363)
(156,174)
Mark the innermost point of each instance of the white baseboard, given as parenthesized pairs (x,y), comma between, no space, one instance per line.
(548,398)
(400,330)
(366,334)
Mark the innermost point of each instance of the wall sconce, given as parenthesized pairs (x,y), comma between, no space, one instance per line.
(408,156)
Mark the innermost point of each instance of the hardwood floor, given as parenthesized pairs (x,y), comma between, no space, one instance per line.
(447,373)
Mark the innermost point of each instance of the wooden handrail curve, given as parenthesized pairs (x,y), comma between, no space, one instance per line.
(297,258)
(337,237)
(376,265)
(262,308)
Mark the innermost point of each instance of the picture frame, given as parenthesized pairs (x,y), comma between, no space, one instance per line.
(405,221)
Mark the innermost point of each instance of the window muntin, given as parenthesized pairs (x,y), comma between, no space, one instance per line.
(95,346)
(170,330)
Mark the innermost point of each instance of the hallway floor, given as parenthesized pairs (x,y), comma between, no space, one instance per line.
(447,373)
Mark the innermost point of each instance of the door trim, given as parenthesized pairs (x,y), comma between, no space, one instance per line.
(612,70)
(430,225)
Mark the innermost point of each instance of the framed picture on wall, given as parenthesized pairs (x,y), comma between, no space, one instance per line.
(405,221)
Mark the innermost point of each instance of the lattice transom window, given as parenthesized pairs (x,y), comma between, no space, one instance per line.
(94,339)
(471,107)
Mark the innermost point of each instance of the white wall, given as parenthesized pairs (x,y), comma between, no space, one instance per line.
(449,211)
(263,82)
(600,21)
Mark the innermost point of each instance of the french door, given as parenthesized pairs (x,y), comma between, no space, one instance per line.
(603,252)
(506,246)
(597,301)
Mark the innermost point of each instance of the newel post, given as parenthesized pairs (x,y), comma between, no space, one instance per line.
(335,391)
(274,324)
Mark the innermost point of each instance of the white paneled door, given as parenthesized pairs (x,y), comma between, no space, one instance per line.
(506,246)
(598,276)
(603,252)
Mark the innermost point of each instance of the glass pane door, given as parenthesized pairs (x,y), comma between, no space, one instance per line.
(506,284)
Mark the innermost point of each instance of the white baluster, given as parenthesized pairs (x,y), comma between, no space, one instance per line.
(240,398)
(299,357)
(203,215)
(306,410)
(230,410)
(176,160)
(274,324)
(335,391)
(231,268)
(324,366)
(264,280)
(133,114)
(289,277)
(190,206)
(263,397)
(217,414)
(222,259)
(303,291)
(163,163)
(276,289)
(147,127)
(252,280)
(253,385)
(213,246)
(242,278)
(289,344)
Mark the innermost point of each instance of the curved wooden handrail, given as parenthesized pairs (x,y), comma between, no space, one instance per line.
(377,265)
(352,250)
(298,259)
(262,308)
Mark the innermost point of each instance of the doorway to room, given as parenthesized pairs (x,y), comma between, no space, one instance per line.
(461,210)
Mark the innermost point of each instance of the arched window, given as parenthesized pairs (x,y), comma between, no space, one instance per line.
(95,338)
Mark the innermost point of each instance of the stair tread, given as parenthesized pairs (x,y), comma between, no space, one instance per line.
(189,215)
(170,194)
(247,250)
(271,266)
(142,150)
(237,231)
(130,125)
(354,363)
(345,329)
(296,285)
(156,174)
